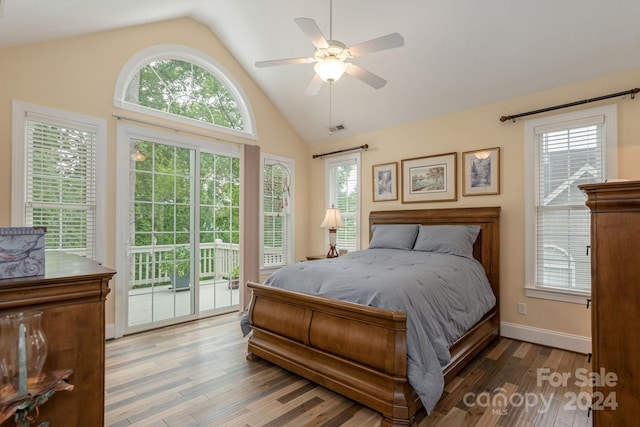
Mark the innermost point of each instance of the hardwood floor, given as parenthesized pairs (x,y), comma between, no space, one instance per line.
(196,374)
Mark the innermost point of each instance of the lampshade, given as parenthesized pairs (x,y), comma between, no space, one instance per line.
(330,69)
(332,218)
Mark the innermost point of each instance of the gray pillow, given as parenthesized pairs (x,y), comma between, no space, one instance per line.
(447,239)
(393,236)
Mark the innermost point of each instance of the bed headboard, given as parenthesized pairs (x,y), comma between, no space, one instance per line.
(487,246)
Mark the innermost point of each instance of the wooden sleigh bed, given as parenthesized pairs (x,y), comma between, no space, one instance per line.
(359,351)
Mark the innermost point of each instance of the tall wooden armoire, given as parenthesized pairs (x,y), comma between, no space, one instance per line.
(615,301)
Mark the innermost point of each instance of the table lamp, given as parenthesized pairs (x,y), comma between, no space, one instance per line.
(332,221)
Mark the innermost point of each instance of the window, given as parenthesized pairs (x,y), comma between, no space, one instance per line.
(343,191)
(57,180)
(277,208)
(562,152)
(184,85)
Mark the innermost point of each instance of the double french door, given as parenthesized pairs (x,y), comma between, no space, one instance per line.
(181,238)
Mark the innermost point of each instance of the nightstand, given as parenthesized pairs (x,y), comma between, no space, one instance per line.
(315,257)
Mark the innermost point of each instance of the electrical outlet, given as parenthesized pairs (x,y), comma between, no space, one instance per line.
(522,308)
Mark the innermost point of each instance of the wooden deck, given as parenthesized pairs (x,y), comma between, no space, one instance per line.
(164,303)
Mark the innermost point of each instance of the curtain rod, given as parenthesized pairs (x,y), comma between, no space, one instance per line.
(176,129)
(631,92)
(360,147)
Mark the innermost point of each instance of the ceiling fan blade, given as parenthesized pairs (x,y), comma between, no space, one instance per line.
(368,77)
(274,62)
(389,41)
(314,86)
(313,33)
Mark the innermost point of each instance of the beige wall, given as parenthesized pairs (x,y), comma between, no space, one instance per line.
(79,75)
(480,128)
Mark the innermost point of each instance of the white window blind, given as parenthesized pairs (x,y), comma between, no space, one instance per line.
(60,180)
(343,184)
(276,208)
(561,153)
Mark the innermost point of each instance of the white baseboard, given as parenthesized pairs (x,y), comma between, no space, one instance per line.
(570,342)
(110,331)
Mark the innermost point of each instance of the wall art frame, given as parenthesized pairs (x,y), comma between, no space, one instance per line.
(385,182)
(481,172)
(430,178)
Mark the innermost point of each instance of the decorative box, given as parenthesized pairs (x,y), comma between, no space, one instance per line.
(21,251)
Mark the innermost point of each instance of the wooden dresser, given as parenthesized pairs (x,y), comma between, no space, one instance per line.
(72,296)
(615,294)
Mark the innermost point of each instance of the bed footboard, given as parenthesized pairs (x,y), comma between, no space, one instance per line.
(361,352)
(357,351)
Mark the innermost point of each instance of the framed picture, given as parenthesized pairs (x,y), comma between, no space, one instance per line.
(481,172)
(385,182)
(429,179)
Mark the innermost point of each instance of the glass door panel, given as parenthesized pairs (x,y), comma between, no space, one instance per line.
(219,236)
(179,267)
(162,286)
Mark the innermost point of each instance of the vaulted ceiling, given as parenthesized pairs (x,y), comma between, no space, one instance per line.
(456,54)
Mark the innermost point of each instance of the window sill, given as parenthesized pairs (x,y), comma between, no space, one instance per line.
(575,297)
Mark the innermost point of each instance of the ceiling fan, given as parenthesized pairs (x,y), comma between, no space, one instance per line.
(332,58)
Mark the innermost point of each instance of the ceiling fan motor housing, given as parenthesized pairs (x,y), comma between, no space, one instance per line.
(335,49)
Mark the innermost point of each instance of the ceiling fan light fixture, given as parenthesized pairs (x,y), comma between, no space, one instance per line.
(138,156)
(330,69)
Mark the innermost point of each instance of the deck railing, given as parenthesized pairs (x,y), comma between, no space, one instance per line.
(218,260)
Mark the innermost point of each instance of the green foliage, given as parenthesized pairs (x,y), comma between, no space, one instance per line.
(233,274)
(346,194)
(182,260)
(185,89)
(219,198)
(346,199)
(163,188)
(178,263)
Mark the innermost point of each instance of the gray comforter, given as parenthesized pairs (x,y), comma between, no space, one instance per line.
(443,296)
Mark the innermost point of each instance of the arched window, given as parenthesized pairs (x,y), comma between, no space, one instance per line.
(181,84)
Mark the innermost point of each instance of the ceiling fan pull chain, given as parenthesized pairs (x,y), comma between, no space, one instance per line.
(330,127)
